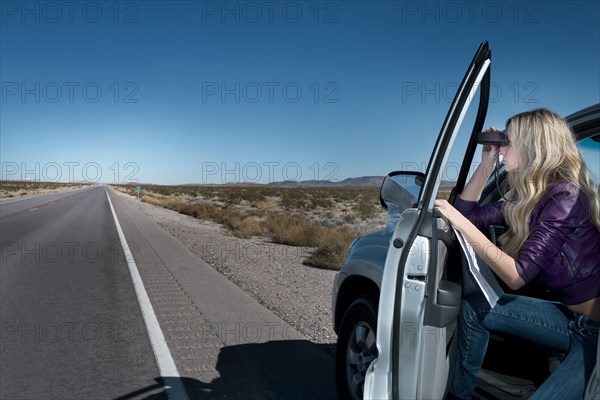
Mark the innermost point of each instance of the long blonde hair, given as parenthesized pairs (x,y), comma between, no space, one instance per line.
(546,150)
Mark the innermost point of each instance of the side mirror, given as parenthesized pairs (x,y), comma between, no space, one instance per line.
(401,190)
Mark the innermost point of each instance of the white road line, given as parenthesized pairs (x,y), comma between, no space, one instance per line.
(166,365)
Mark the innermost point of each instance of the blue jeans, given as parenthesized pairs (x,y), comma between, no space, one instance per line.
(537,321)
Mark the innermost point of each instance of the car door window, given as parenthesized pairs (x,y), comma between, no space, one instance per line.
(451,169)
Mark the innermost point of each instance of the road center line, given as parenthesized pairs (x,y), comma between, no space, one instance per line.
(164,359)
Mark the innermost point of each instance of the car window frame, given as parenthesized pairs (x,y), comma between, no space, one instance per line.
(471,83)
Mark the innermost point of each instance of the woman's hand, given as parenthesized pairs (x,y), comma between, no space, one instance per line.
(452,215)
(501,263)
(489,152)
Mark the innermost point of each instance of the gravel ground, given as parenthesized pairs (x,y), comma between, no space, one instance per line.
(271,273)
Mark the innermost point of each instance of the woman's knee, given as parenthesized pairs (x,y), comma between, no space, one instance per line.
(472,311)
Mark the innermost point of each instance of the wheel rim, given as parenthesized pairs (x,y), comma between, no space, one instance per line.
(360,353)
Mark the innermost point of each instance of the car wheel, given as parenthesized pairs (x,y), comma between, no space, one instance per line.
(356,347)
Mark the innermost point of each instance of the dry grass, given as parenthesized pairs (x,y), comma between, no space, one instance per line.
(333,248)
(327,219)
(10,189)
(444,192)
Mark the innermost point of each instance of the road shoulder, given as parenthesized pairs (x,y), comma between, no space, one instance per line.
(209,322)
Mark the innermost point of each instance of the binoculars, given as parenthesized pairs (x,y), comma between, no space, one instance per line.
(495,138)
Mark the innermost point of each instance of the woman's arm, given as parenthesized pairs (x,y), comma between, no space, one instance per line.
(501,263)
(473,189)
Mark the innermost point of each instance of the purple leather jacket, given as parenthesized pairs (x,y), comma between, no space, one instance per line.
(563,247)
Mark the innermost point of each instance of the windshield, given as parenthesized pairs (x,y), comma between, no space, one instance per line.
(590,151)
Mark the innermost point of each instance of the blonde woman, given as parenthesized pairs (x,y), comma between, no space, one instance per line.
(553,214)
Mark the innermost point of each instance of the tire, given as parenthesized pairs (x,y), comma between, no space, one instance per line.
(356,347)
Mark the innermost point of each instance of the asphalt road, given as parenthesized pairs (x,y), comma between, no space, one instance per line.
(72,326)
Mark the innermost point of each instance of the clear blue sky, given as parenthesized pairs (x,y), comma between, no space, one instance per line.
(207,92)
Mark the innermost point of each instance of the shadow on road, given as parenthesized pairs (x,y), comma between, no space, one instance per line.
(291,369)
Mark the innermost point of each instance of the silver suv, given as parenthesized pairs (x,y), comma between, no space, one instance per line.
(396,300)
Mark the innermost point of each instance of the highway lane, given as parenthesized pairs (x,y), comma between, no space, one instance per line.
(14,205)
(70,323)
(72,327)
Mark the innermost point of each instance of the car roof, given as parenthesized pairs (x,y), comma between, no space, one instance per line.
(586,123)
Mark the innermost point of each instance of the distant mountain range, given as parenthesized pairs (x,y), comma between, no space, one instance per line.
(361,182)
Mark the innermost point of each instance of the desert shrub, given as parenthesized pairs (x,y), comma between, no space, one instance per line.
(280,213)
(244,226)
(240,225)
(23,188)
(366,207)
(292,230)
(266,206)
(322,201)
(331,243)
(253,195)
(204,210)
(332,248)
(293,200)
(201,210)
(158,201)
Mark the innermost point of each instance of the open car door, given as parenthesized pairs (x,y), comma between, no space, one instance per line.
(419,301)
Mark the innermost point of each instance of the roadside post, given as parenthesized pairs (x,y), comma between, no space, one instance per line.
(138,189)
